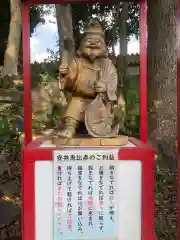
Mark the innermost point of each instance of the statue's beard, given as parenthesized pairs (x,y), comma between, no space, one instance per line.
(93,53)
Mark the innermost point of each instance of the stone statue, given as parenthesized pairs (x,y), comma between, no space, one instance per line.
(92,79)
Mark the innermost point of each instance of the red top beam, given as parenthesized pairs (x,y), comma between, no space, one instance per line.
(29,2)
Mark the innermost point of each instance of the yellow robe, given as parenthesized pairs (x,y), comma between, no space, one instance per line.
(81,80)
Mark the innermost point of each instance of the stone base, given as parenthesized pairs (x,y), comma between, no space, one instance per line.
(85,141)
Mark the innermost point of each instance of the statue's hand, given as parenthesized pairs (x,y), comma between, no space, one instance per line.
(100,87)
(63,69)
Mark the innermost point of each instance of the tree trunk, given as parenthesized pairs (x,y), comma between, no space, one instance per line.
(113,41)
(60,34)
(12,50)
(162,77)
(113,50)
(123,43)
(123,29)
(65,28)
(66,38)
(115,14)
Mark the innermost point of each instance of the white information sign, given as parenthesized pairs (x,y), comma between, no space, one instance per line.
(85,194)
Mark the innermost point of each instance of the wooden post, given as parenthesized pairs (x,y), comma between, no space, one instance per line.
(27,73)
(143,70)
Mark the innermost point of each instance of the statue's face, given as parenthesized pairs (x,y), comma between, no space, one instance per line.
(93,46)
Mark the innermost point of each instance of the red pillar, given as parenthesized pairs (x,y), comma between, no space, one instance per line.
(26,73)
(143,70)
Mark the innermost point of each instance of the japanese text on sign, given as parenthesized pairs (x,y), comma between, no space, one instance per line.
(85,157)
(85,201)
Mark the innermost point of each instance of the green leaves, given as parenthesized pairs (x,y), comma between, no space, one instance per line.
(105,13)
(36,16)
(132,117)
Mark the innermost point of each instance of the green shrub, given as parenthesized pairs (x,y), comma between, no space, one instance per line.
(132,120)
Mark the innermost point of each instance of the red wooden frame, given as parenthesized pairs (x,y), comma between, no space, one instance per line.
(142,152)
(143,73)
(143,70)
(31,2)
(27,74)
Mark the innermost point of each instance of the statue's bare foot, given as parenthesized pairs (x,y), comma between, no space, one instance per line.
(68,132)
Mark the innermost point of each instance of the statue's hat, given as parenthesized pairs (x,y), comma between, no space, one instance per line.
(94,27)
